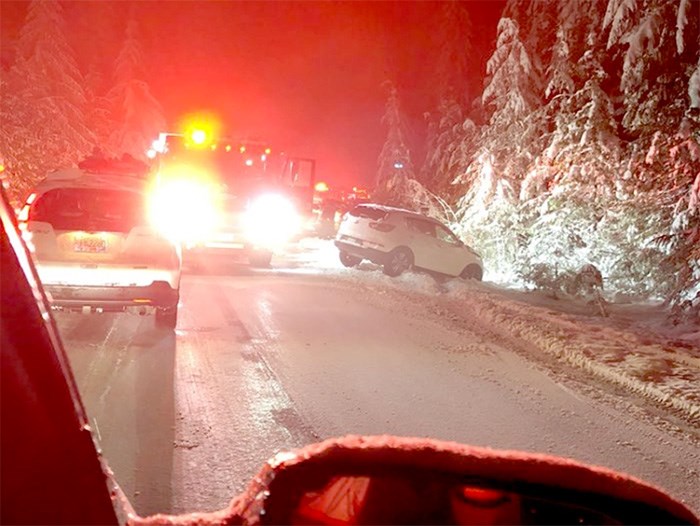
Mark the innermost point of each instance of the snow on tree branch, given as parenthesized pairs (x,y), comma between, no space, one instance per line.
(514,85)
(618,17)
(694,87)
(681,23)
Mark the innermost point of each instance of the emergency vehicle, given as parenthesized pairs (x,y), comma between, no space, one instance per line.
(222,197)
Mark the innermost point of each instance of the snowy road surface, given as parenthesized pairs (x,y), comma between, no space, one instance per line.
(267,361)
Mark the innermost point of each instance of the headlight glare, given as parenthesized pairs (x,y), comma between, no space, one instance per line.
(271,220)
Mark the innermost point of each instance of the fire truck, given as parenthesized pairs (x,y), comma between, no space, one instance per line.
(226,197)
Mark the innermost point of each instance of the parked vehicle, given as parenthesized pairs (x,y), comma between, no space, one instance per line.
(94,245)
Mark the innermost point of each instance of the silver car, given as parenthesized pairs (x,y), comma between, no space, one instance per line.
(399,239)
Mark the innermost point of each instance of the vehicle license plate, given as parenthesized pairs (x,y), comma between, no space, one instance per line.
(92,244)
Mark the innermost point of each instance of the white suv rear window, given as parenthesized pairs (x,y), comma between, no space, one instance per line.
(368,212)
(89,209)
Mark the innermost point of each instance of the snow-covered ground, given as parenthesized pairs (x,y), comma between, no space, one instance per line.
(264,361)
(634,347)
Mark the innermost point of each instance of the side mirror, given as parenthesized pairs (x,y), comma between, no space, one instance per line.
(391,480)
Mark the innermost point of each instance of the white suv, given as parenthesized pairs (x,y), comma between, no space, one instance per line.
(400,239)
(94,247)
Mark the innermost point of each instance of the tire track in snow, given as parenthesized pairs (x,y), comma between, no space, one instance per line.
(230,405)
(256,345)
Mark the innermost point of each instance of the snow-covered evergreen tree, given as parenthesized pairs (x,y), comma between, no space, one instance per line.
(537,29)
(599,169)
(578,22)
(454,67)
(97,31)
(136,112)
(21,147)
(489,218)
(42,105)
(652,45)
(513,98)
(451,146)
(394,164)
(99,112)
(395,183)
(656,78)
(514,88)
(454,60)
(619,19)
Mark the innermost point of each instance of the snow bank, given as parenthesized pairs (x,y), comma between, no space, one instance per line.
(647,363)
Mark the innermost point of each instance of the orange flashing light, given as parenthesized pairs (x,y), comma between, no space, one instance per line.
(321,186)
(198,136)
(200,130)
(241,149)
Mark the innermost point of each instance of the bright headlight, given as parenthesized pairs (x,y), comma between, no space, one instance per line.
(271,220)
(183,210)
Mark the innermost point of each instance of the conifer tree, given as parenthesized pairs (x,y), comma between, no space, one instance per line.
(454,68)
(394,163)
(42,104)
(136,112)
(608,150)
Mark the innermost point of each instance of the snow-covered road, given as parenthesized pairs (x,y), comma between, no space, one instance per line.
(271,360)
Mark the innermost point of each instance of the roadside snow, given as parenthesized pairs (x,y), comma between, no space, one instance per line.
(634,347)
